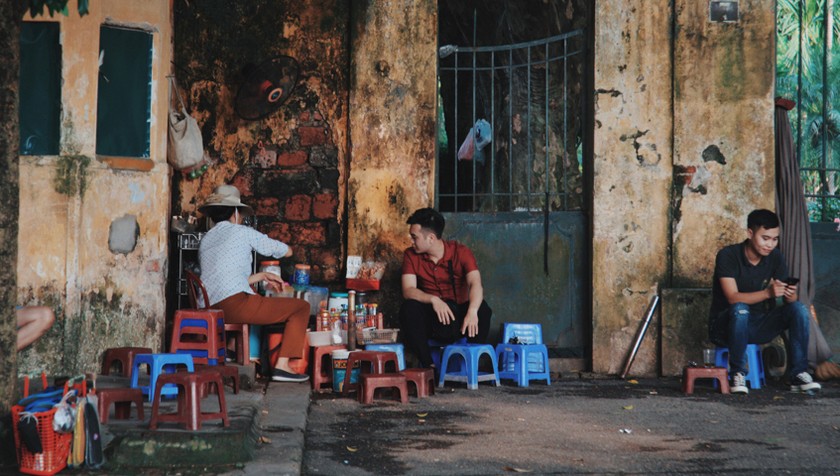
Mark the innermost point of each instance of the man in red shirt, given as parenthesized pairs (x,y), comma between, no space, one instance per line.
(444,299)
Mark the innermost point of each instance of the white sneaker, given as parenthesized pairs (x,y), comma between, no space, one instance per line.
(804,383)
(739,384)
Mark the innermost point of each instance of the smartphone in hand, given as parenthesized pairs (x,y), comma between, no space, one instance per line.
(792,281)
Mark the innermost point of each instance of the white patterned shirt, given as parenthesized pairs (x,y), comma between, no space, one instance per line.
(225,255)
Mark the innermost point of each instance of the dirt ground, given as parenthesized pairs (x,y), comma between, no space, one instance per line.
(577,425)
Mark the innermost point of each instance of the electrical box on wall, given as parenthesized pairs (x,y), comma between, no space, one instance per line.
(724,11)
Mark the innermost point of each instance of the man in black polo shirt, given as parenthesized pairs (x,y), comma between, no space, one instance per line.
(748,278)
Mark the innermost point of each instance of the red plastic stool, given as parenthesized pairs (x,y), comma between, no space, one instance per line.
(297,364)
(241,342)
(122,398)
(228,372)
(199,333)
(377,361)
(690,374)
(319,376)
(370,382)
(123,356)
(189,399)
(423,380)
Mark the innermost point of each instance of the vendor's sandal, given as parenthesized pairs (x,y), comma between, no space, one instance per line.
(282,376)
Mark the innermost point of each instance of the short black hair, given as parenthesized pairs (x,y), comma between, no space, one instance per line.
(219,214)
(428,218)
(762,219)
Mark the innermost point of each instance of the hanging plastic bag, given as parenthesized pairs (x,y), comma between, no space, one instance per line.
(186,147)
(65,414)
(76,458)
(477,138)
(467,149)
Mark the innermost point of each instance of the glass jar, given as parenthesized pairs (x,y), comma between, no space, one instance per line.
(301,278)
(269,267)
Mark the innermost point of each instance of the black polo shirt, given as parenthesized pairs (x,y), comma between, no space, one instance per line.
(731,262)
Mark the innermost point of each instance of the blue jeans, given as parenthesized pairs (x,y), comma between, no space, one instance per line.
(738,326)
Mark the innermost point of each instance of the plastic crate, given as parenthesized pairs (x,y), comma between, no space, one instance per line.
(376,336)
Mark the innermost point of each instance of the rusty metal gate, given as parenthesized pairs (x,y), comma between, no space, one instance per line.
(518,200)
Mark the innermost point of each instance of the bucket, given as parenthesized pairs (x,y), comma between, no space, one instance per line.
(339,362)
(336,300)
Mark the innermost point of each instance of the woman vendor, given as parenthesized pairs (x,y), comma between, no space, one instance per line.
(225,255)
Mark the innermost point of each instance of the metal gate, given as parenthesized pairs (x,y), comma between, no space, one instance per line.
(518,201)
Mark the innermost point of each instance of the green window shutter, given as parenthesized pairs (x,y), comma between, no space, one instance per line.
(40,88)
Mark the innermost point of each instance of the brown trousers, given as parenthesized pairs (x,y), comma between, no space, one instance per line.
(246,308)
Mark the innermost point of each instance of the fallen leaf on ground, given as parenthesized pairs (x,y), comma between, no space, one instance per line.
(628,407)
(778,397)
(633,381)
(352,449)
(265,440)
(422,415)
(517,470)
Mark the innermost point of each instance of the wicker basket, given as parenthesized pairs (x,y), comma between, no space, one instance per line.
(376,336)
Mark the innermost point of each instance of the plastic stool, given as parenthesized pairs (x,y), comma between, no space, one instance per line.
(199,333)
(755,374)
(471,354)
(242,342)
(319,377)
(371,382)
(122,355)
(690,374)
(122,398)
(189,400)
(436,348)
(158,364)
(524,333)
(228,372)
(423,380)
(395,348)
(517,365)
(377,361)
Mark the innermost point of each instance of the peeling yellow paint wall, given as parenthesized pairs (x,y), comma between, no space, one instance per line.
(393,128)
(670,84)
(102,299)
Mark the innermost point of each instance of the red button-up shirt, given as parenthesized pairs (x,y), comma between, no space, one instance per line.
(434,278)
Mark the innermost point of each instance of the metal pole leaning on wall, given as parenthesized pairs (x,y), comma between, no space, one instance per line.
(654,302)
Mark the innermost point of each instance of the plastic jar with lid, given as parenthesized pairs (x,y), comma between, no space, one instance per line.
(300,280)
(269,267)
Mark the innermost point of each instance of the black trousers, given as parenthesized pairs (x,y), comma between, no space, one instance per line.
(419,323)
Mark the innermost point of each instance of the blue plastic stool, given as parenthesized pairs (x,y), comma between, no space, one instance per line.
(518,364)
(395,348)
(755,374)
(436,347)
(158,364)
(470,355)
(526,333)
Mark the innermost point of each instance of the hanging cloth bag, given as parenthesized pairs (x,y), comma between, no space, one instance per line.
(186,148)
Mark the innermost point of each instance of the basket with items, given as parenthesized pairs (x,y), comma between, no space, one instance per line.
(372,335)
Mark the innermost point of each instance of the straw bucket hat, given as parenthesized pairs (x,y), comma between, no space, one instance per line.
(226,196)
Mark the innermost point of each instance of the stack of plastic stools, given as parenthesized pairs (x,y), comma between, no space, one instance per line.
(470,354)
(158,365)
(189,400)
(371,382)
(525,360)
(436,348)
(322,374)
(124,356)
(755,374)
(395,348)
(377,361)
(199,333)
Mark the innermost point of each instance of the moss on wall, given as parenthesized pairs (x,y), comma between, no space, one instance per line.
(71,174)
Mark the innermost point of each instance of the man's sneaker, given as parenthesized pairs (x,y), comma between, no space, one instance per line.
(739,384)
(282,376)
(803,383)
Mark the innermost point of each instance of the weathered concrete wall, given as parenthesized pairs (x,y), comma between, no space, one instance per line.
(723,131)
(290,165)
(632,176)
(661,212)
(68,202)
(10,13)
(393,128)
